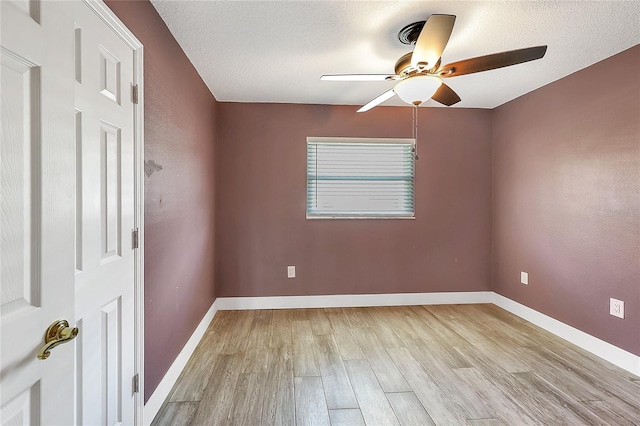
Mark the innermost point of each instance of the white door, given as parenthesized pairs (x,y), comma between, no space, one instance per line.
(37,235)
(67,215)
(104,292)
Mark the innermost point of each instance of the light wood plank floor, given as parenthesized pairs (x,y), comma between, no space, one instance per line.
(419,365)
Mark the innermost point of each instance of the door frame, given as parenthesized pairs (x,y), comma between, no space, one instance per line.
(113,22)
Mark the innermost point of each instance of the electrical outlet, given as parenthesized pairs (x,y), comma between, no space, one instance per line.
(291,271)
(616,308)
(524,278)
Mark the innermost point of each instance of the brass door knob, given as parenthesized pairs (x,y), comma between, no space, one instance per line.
(58,333)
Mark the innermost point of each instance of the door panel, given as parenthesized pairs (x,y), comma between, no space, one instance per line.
(20,215)
(24,409)
(37,227)
(110,159)
(111,320)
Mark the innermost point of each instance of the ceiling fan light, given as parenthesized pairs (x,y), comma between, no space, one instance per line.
(415,90)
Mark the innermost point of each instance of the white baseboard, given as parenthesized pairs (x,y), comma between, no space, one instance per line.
(353,300)
(607,351)
(161,393)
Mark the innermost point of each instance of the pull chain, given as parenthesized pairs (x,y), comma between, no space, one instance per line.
(415,131)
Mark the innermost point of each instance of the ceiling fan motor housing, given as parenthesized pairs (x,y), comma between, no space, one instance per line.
(404,68)
(403,65)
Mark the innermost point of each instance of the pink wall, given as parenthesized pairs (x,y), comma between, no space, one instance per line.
(261,225)
(180,135)
(566,198)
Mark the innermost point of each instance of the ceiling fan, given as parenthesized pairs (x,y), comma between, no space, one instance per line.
(419,73)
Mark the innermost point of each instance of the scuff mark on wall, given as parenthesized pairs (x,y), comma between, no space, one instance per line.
(150,167)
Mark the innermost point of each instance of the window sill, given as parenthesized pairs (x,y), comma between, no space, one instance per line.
(316,217)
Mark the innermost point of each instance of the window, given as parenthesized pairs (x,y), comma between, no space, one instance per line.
(360,178)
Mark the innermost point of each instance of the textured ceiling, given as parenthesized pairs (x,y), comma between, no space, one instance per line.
(276,51)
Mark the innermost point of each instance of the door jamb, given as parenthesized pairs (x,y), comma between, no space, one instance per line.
(110,18)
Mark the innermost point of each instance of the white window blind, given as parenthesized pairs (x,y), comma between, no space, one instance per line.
(357,178)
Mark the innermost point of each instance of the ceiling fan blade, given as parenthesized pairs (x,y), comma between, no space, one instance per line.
(377,101)
(359,77)
(490,62)
(446,96)
(432,40)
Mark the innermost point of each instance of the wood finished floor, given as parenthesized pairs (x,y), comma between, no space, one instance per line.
(419,365)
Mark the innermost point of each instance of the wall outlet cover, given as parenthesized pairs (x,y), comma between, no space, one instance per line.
(524,278)
(291,271)
(616,308)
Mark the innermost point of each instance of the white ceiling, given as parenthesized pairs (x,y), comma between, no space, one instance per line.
(276,51)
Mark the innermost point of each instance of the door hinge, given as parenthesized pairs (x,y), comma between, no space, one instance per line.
(136,238)
(136,383)
(134,93)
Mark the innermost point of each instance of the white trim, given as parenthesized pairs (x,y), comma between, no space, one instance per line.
(382,141)
(113,22)
(139,223)
(161,393)
(353,300)
(607,351)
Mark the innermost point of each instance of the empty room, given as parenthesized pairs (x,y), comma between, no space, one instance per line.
(320,212)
